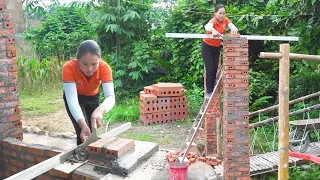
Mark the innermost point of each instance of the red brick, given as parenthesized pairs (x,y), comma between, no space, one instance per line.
(77,177)
(11,53)
(122,148)
(9,61)
(245,58)
(236,63)
(36,151)
(40,159)
(10,97)
(148,97)
(44,177)
(233,35)
(231,45)
(13,169)
(6,172)
(11,104)
(18,147)
(58,173)
(17,163)
(148,89)
(12,68)
(28,158)
(9,40)
(51,153)
(96,147)
(13,89)
(232,54)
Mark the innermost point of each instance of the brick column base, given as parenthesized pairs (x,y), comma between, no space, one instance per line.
(236,108)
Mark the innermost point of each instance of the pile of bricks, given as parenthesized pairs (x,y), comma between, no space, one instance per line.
(191,157)
(211,160)
(236,108)
(106,150)
(163,103)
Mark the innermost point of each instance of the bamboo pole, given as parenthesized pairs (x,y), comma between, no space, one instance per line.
(292,56)
(274,119)
(284,71)
(290,102)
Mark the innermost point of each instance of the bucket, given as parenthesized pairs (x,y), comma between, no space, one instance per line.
(178,171)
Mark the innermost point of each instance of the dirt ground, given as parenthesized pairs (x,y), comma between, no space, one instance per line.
(168,136)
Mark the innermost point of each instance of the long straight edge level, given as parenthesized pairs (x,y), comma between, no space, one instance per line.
(249,37)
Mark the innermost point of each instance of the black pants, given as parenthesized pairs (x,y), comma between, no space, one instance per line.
(210,56)
(88,104)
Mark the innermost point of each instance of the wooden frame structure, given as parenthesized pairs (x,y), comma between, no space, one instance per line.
(284,73)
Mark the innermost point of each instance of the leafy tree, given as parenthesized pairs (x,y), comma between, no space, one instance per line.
(61,33)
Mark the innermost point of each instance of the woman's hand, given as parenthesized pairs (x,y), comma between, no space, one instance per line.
(85,131)
(234,31)
(97,116)
(215,33)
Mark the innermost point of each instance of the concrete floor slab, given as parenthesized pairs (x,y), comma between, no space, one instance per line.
(62,143)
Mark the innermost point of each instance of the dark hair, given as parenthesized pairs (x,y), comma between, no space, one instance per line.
(88,46)
(219,6)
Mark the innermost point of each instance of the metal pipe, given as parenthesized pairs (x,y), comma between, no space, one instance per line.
(249,37)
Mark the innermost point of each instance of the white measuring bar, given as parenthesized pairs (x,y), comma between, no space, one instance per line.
(249,37)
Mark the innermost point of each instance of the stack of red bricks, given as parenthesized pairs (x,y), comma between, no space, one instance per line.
(10,117)
(163,103)
(106,150)
(236,108)
(211,160)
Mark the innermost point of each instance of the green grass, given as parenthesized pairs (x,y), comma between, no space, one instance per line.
(138,136)
(41,104)
(161,139)
(127,110)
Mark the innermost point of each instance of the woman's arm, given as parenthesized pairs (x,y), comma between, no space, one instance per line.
(70,90)
(233,28)
(210,28)
(109,100)
(106,105)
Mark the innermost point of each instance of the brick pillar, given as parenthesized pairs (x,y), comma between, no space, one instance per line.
(10,118)
(236,108)
(211,119)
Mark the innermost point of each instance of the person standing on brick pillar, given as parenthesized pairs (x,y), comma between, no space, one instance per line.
(82,78)
(210,48)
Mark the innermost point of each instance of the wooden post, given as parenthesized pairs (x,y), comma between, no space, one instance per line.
(284,71)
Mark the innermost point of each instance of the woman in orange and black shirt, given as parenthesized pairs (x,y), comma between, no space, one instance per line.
(210,48)
(82,78)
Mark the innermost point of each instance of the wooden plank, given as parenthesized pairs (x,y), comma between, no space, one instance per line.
(253,165)
(270,160)
(67,167)
(264,163)
(257,163)
(249,37)
(55,161)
